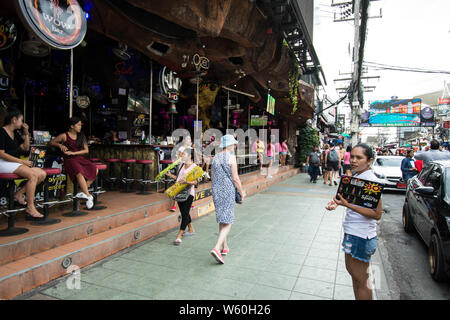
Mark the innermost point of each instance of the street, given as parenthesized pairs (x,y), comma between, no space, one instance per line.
(408,256)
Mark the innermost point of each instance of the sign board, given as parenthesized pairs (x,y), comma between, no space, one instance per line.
(393,113)
(360,192)
(444,107)
(8,33)
(257,120)
(170,84)
(60,24)
(427,117)
(270,104)
(199,195)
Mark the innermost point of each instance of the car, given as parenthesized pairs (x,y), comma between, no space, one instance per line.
(427,210)
(388,169)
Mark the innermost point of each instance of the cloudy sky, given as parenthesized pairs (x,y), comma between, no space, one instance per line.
(411,33)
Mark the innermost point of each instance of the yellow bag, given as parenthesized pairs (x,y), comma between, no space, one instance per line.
(194,174)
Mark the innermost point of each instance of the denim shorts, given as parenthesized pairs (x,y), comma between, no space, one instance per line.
(360,248)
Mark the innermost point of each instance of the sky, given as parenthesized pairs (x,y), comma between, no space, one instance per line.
(411,33)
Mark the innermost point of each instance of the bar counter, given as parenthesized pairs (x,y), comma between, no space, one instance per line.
(129,151)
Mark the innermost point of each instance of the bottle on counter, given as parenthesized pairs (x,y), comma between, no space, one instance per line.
(143,137)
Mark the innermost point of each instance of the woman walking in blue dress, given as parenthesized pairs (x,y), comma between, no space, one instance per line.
(225,182)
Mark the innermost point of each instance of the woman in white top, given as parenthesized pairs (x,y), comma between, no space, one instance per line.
(360,227)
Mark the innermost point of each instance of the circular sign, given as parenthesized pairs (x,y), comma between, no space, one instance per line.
(60,24)
(427,113)
(8,33)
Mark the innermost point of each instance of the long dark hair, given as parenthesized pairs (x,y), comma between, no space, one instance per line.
(12,113)
(81,138)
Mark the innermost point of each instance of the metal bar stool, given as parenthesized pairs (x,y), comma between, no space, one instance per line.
(125,177)
(165,164)
(46,204)
(11,212)
(96,190)
(98,160)
(111,180)
(76,204)
(143,181)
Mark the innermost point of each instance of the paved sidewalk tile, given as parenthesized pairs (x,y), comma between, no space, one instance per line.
(284,245)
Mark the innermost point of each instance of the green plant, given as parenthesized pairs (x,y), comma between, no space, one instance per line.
(294,76)
(307,139)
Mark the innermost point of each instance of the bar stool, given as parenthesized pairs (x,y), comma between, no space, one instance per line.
(111,180)
(96,191)
(165,164)
(125,177)
(76,204)
(143,181)
(46,204)
(11,212)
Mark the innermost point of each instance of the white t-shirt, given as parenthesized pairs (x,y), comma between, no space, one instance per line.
(357,224)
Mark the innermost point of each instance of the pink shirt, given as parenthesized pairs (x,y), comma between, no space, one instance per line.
(270,151)
(183,173)
(284,147)
(347,158)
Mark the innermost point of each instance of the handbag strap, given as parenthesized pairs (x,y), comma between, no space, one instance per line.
(228,175)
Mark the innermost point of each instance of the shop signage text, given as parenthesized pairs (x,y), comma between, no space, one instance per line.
(60,24)
(170,84)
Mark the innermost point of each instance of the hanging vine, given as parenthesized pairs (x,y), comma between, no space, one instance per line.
(294,76)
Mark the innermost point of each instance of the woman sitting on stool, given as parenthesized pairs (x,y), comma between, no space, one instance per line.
(74,144)
(11,145)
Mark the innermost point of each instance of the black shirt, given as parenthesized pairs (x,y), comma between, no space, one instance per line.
(11,147)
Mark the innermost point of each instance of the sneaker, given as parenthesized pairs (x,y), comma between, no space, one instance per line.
(177,242)
(224,252)
(174,208)
(207,176)
(217,256)
(335,183)
(81,195)
(90,202)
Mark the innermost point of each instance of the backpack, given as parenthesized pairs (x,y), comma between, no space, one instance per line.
(314,158)
(333,156)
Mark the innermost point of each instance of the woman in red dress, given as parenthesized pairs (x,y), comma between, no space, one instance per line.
(74,145)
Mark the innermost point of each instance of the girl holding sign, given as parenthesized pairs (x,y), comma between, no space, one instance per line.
(360,225)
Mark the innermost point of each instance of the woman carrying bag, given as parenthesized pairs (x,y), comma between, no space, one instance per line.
(226,188)
(185,204)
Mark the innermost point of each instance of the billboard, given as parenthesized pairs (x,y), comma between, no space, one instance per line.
(394,113)
(444,107)
(270,104)
(258,121)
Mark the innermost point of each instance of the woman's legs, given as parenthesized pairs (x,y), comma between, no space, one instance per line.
(359,271)
(83,184)
(186,221)
(40,177)
(224,229)
(34,177)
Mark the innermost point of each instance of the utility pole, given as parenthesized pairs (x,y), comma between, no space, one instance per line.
(354,104)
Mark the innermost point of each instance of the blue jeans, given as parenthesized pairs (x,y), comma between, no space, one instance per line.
(313,172)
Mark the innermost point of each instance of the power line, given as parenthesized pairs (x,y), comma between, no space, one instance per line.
(381,66)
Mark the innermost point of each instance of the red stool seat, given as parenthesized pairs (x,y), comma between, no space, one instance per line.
(52,170)
(166,161)
(9,176)
(101,166)
(112,160)
(95,159)
(128,160)
(144,161)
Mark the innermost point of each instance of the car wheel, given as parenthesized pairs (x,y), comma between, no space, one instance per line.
(406,219)
(436,259)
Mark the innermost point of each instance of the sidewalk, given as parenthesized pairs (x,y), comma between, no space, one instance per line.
(284,245)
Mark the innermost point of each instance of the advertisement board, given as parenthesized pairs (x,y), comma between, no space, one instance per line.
(360,192)
(270,104)
(257,120)
(394,113)
(444,107)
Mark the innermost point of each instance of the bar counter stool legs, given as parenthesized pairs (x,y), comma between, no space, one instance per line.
(111,180)
(143,181)
(46,220)
(11,212)
(100,167)
(76,204)
(125,177)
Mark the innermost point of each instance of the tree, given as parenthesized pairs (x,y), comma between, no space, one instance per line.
(306,141)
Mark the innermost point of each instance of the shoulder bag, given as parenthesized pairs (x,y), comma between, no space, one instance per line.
(238,197)
(183,195)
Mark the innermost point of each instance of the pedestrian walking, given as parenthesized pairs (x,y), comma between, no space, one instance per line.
(185,206)
(408,168)
(225,184)
(270,156)
(313,163)
(323,154)
(360,225)
(283,148)
(332,164)
(433,154)
(346,162)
